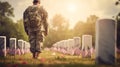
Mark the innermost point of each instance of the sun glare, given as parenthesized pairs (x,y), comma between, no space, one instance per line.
(72,7)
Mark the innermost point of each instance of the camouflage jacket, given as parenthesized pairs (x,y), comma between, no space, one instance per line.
(26,21)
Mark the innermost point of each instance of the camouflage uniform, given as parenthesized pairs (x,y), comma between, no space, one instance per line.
(35,34)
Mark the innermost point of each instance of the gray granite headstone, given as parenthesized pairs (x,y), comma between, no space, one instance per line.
(105,41)
(2,45)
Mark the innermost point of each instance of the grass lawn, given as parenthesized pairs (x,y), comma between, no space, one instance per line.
(50,60)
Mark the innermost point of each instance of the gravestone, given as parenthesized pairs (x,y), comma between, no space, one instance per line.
(3,46)
(24,47)
(65,44)
(71,46)
(20,46)
(12,46)
(71,43)
(27,47)
(86,45)
(105,41)
(77,42)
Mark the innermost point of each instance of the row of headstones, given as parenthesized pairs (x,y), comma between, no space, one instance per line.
(105,47)
(15,47)
(74,46)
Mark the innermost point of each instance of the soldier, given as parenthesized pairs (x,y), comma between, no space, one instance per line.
(35,17)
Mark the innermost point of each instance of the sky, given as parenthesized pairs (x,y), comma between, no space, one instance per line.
(71,10)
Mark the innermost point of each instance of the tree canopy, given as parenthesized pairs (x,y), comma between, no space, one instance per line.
(8,27)
(6,10)
(60,29)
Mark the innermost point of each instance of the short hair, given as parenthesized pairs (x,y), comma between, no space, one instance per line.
(36,1)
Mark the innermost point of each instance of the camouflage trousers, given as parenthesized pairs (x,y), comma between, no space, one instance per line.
(36,41)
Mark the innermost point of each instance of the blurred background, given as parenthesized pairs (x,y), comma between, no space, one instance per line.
(67,18)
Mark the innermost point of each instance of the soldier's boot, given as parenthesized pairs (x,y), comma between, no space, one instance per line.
(38,50)
(34,55)
(37,55)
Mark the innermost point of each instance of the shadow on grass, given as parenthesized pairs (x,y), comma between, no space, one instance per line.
(45,65)
(55,65)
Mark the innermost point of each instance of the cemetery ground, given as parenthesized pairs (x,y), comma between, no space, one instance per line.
(51,59)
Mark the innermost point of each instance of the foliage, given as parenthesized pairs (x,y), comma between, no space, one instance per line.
(6,24)
(7,27)
(86,28)
(60,29)
(6,9)
(20,32)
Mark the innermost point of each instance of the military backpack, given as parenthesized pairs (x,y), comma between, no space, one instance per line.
(34,17)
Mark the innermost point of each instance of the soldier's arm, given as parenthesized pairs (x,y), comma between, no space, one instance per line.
(45,23)
(25,21)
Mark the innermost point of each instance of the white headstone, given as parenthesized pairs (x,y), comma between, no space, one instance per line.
(24,46)
(20,46)
(77,42)
(105,41)
(24,43)
(86,45)
(13,43)
(71,46)
(86,42)
(65,44)
(71,43)
(27,47)
(2,45)
(13,46)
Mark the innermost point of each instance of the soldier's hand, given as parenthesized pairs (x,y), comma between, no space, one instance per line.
(45,33)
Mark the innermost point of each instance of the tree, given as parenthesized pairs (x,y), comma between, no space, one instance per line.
(59,22)
(6,24)
(20,32)
(86,28)
(7,27)
(6,9)
(59,30)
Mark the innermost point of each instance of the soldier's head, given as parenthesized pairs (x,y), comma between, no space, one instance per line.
(35,2)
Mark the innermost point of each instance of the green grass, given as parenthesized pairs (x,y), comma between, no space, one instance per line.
(49,60)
